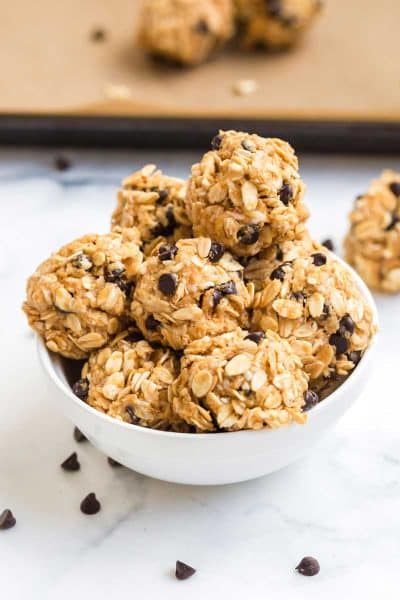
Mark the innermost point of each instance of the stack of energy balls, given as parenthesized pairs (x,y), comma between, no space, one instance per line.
(188,32)
(208,307)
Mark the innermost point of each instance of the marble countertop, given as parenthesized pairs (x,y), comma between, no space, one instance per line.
(340,505)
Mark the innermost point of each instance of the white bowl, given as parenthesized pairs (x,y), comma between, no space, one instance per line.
(206,459)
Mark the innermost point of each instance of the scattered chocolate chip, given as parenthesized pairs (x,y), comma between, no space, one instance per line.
(134,336)
(216,252)
(346,325)
(113,463)
(81,388)
(125,286)
(278,273)
(279,254)
(319,259)
(216,297)
(162,195)
(151,323)
(167,252)
(286,194)
(167,228)
(129,410)
(183,571)
(395,188)
(249,146)
(354,356)
(216,142)
(167,284)
(341,344)
(326,311)
(90,505)
(98,35)
(82,261)
(329,245)
(113,275)
(308,566)
(71,463)
(202,27)
(228,288)
(248,234)
(62,163)
(311,399)
(7,519)
(79,436)
(393,222)
(255,336)
(299,297)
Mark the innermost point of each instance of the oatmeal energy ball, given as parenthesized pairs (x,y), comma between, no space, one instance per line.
(77,298)
(240,380)
(246,193)
(372,245)
(154,203)
(313,302)
(187,290)
(185,31)
(274,24)
(129,380)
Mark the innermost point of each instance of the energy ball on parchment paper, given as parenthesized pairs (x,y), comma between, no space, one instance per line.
(129,380)
(186,32)
(247,193)
(274,24)
(154,203)
(372,245)
(240,380)
(78,298)
(188,290)
(314,303)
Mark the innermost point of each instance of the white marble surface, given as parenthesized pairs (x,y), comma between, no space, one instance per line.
(340,505)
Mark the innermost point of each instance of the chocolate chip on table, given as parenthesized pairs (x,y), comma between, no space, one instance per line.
(167,252)
(395,188)
(354,356)
(7,519)
(278,273)
(341,344)
(319,259)
(249,146)
(248,234)
(311,399)
(129,410)
(346,324)
(167,284)
(183,571)
(216,252)
(328,244)
(286,194)
(202,27)
(308,566)
(62,163)
(151,323)
(255,336)
(90,505)
(78,436)
(216,142)
(113,463)
(98,35)
(71,463)
(81,388)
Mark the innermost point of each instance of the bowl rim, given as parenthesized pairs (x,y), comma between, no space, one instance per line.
(47,363)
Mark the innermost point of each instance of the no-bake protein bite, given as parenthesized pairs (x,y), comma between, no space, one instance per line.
(240,380)
(372,245)
(77,299)
(186,32)
(154,203)
(274,24)
(246,193)
(188,290)
(129,380)
(313,302)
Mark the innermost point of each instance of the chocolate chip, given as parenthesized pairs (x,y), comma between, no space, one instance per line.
(81,388)
(134,336)
(278,273)
(274,8)
(125,286)
(248,234)
(113,463)
(216,142)
(78,436)
(167,228)
(255,336)
(249,146)
(98,35)
(326,311)
(82,261)
(7,519)
(286,194)
(346,324)
(71,463)
(228,288)
(395,188)
(279,254)
(311,399)
(202,27)
(151,323)
(299,297)
(129,410)
(90,505)
(340,343)
(319,259)
(167,284)
(167,252)
(216,252)
(216,297)
(183,571)
(354,356)
(395,219)
(113,275)
(62,163)
(329,245)
(162,195)
(308,566)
